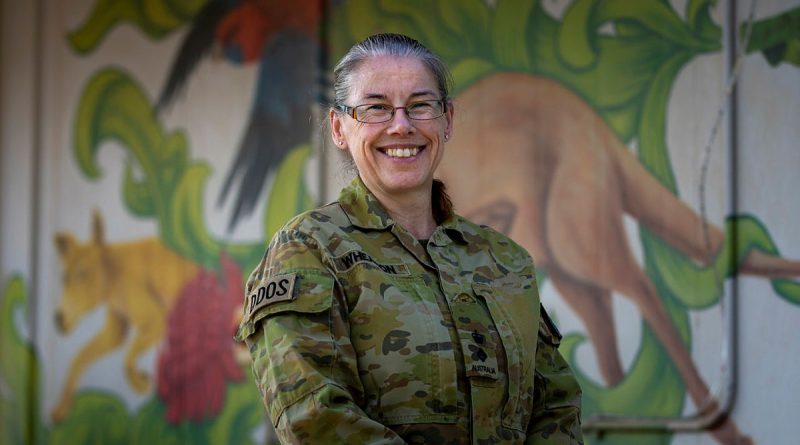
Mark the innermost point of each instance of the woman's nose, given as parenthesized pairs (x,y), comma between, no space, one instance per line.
(400,123)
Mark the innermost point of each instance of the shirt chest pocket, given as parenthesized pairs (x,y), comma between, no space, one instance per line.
(481,346)
(405,355)
(514,312)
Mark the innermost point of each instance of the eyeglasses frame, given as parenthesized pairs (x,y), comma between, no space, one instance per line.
(351,111)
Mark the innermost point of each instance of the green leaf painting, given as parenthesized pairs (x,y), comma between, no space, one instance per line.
(156,18)
(20,383)
(99,417)
(96,417)
(291,192)
(777,38)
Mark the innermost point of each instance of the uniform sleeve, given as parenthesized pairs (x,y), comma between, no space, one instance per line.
(557,396)
(296,329)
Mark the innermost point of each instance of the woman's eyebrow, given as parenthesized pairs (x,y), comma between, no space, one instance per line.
(374,96)
(423,93)
(380,96)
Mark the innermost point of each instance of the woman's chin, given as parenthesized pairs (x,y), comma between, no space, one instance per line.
(407,182)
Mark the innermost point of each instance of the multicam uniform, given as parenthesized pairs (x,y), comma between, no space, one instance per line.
(361,334)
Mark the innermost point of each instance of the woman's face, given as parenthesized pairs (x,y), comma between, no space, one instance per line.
(398,156)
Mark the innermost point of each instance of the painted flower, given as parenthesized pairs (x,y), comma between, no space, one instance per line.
(197,358)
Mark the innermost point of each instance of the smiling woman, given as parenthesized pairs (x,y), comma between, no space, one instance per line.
(396,153)
(402,322)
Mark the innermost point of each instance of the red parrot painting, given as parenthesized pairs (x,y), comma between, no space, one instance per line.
(283,38)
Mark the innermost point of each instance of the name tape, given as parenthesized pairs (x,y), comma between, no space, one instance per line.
(278,288)
(350,259)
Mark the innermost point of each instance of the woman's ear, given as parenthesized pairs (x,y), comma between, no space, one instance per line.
(337,133)
(448,129)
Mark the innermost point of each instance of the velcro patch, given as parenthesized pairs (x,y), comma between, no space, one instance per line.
(277,288)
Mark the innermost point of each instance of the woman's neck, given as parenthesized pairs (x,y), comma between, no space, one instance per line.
(411,210)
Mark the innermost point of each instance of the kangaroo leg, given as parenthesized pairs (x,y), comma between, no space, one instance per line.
(593,306)
(766,265)
(109,338)
(581,212)
(658,209)
(678,224)
(586,238)
(644,295)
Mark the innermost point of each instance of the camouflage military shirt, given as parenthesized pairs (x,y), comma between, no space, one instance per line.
(361,334)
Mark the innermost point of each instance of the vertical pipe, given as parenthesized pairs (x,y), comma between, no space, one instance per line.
(322,94)
(732,52)
(35,209)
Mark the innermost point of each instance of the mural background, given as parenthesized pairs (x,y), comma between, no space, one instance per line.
(78,115)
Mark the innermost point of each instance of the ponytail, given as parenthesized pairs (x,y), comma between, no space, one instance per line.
(441,203)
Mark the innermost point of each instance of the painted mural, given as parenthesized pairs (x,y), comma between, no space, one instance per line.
(561,98)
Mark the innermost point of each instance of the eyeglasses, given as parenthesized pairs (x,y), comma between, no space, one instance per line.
(422,110)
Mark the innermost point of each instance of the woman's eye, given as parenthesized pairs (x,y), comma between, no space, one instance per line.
(420,106)
(377,108)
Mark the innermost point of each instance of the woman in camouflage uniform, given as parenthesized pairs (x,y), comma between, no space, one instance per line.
(386,318)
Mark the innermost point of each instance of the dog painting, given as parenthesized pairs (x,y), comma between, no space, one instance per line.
(137,283)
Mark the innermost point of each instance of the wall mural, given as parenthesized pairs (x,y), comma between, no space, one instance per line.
(568,176)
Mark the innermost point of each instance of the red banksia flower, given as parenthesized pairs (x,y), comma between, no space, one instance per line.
(197,357)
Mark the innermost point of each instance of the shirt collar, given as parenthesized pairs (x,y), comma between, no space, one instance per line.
(362,207)
(365,211)
(454,227)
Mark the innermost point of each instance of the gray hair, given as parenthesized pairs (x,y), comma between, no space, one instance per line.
(397,45)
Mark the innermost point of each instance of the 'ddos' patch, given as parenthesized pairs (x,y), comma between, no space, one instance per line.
(276,289)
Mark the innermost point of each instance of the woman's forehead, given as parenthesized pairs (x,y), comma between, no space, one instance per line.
(391,76)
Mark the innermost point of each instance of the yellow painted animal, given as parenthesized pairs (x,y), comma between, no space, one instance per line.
(137,282)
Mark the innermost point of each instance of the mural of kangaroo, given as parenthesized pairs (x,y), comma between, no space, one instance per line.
(137,282)
(560,184)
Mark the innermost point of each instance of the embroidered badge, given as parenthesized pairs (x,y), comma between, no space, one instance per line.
(277,288)
(350,259)
(482,371)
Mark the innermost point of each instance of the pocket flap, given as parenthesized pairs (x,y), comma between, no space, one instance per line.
(548,329)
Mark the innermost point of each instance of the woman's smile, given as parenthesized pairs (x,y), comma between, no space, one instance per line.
(402,152)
